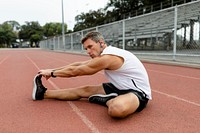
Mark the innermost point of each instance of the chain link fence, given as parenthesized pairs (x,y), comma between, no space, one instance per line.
(169,34)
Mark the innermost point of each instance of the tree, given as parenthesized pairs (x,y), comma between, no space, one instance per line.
(15,25)
(53,29)
(122,7)
(7,35)
(90,19)
(31,31)
(115,10)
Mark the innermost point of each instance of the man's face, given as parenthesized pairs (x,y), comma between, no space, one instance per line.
(93,48)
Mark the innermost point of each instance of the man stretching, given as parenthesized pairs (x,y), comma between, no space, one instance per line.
(127,91)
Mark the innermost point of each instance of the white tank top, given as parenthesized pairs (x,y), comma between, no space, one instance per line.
(131,75)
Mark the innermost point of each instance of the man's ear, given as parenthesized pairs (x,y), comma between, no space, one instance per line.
(101,41)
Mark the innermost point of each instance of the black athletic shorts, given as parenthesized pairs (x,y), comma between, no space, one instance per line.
(110,88)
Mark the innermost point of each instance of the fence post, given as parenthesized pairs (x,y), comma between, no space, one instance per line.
(63,28)
(63,41)
(175,32)
(54,43)
(82,37)
(123,34)
(199,27)
(72,47)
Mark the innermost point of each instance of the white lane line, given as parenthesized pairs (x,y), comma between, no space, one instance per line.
(78,112)
(84,118)
(177,98)
(87,122)
(171,74)
(4,59)
(32,62)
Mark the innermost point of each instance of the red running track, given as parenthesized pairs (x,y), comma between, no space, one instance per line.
(175,107)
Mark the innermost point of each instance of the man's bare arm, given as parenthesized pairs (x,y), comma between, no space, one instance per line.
(73,64)
(91,67)
(86,68)
(47,72)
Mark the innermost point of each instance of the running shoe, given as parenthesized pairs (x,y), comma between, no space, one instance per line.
(102,99)
(38,88)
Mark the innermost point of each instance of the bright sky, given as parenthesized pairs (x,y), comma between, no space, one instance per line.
(45,11)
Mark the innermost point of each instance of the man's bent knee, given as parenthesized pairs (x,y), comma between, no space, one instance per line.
(123,105)
(118,110)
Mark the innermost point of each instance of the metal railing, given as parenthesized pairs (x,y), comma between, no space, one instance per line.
(169,34)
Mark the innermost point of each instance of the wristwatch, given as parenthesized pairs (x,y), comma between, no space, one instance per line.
(52,74)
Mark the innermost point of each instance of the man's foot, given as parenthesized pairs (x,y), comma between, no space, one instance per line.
(38,88)
(102,99)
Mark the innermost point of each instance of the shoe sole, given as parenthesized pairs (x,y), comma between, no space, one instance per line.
(101,95)
(34,88)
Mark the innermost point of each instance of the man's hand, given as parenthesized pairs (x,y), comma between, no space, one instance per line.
(45,73)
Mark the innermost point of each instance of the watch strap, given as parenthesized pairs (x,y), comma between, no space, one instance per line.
(52,75)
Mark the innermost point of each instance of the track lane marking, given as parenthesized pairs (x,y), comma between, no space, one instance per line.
(171,74)
(87,122)
(4,59)
(177,98)
(78,112)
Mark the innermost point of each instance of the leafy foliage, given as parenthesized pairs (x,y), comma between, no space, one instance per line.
(91,19)
(32,32)
(7,36)
(52,29)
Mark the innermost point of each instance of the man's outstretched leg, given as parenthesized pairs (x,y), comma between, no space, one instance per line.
(40,92)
